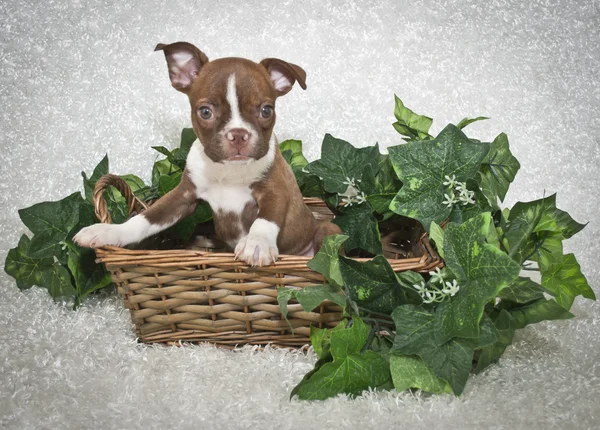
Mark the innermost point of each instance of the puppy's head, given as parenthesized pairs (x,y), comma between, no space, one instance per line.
(232,99)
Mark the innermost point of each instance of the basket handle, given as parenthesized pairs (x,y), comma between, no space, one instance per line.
(100,206)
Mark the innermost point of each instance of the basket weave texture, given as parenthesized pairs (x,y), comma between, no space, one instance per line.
(189,295)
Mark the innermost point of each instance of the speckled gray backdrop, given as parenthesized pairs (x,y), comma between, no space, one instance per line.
(79,79)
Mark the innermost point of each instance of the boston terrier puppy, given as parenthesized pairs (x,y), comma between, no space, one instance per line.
(235,165)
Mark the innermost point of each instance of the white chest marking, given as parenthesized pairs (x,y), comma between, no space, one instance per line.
(226,186)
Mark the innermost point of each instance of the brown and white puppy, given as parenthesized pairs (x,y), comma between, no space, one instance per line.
(236,166)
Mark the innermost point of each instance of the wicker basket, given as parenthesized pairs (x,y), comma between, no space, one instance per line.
(201,296)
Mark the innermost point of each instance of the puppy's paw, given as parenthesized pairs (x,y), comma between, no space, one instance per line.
(98,235)
(256,250)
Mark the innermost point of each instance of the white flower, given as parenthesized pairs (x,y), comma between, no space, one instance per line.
(461,186)
(437,277)
(450,181)
(349,181)
(450,200)
(466,197)
(451,288)
(430,297)
(361,199)
(419,287)
(347,202)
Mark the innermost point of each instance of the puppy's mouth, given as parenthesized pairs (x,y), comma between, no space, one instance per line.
(238,159)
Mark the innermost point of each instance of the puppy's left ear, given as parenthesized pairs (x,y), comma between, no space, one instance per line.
(284,75)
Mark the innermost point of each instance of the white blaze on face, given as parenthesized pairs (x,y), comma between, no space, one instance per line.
(236,120)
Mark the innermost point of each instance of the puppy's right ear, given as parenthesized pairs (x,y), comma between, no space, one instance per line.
(184,61)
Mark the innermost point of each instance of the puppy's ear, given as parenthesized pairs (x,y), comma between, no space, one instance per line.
(184,61)
(283,74)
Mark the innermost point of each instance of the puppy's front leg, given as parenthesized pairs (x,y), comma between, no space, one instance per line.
(259,247)
(165,212)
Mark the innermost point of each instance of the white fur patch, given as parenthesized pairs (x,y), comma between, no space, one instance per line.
(132,231)
(226,186)
(236,120)
(259,247)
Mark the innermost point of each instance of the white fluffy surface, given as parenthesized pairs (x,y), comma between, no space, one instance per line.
(79,79)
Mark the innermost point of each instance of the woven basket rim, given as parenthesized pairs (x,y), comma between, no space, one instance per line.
(113,256)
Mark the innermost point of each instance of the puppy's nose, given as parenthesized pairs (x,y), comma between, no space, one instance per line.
(238,137)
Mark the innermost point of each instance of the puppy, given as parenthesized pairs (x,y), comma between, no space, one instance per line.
(235,165)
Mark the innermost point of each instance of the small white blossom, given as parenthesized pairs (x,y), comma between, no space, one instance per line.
(349,181)
(419,287)
(437,277)
(450,181)
(451,288)
(466,196)
(461,186)
(450,200)
(361,199)
(430,296)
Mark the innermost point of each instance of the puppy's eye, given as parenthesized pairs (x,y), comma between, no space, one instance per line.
(266,111)
(205,112)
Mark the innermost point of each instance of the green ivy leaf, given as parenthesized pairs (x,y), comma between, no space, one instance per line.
(436,233)
(386,180)
(466,121)
(358,223)
(350,371)
(297,159)
(506,326)
(309,184)
(524,220)
(26,270)
(165,151)
(351,375)
(51,223)
(498,170)
(340,161)
(410,124)
(186,227)
(563,278)
(100,170)
(422,168)
(538,311)
(327,261)
(134,182)
(89,276)
(481,270)
(188,137)
(167,183)
(522,291)
(381,203)
(451,361)
(559,222)
(309,297)
(57,280)
(412,372)
(373,285)
(320,338)
(163,168)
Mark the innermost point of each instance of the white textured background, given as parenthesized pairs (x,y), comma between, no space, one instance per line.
(79,79)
